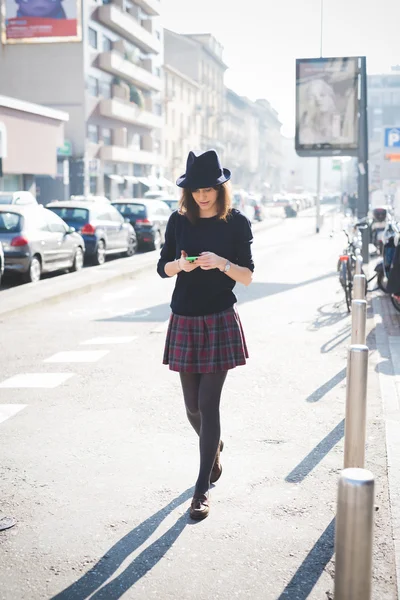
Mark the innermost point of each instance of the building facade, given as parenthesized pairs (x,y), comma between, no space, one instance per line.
(182,128)
(383,111)
(111,86)
(25,162)
(199,57)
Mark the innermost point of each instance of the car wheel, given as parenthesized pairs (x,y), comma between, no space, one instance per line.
(157,243)
(132,246)
(34,272)
(78,260)
(100,256)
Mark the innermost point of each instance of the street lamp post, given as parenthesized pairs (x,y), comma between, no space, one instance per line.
(318,204)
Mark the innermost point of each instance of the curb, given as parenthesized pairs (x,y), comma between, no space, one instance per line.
(51,291)
(389,350)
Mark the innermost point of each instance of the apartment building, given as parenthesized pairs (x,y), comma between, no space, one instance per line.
(383,111)
(111,86)
(271,157)
(182,129)
(199,57)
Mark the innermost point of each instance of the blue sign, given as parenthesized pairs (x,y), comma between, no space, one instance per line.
(392,137)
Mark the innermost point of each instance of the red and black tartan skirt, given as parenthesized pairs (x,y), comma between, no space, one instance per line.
(205,344)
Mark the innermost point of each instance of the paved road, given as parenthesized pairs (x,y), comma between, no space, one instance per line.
(98,461)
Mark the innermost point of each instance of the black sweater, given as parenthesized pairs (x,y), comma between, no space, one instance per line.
(204,292)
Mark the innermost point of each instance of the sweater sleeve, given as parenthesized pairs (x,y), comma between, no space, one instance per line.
(168,251)
(244,239)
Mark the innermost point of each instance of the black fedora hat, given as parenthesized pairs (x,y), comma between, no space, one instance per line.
(203,171)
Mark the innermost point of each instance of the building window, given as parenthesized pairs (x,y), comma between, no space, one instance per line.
(106,135)
(158,71)
(93,86)
(93,133)
(107,44)
(158,109)
(158,35)
(105,89)
(92,38)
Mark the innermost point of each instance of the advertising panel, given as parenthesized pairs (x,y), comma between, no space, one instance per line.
(41,21)
(327,106)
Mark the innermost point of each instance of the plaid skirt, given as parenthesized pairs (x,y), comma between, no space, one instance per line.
(205,344)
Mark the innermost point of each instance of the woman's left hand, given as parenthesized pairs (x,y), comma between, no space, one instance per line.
(209,260)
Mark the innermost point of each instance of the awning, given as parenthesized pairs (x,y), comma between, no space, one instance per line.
(144,180)
(117,178)
(163,182)
(131,179)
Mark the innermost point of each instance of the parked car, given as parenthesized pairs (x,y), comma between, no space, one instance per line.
(89,198)
(172,203)
(37,241)
(154,194)
(20,198)
(149,218)
(1,262)
(104,230)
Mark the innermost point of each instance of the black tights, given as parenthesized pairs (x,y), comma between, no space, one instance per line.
(202,395)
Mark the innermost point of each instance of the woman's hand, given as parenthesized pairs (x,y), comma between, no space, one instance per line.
(185,265)
(209,260)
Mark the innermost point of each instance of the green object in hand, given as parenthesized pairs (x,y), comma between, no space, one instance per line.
(191,258)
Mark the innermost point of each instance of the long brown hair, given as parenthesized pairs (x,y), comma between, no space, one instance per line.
(188,206)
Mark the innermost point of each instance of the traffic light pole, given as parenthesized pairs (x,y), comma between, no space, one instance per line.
(363,186)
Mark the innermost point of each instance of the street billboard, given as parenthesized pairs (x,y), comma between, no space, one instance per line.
(327,106)
(40,21)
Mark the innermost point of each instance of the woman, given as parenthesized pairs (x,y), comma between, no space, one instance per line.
(205,338)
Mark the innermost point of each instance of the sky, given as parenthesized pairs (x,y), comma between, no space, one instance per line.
(262,39)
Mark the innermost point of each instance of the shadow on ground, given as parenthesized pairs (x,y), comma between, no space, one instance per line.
(94,583)
(257,291)
(312,567)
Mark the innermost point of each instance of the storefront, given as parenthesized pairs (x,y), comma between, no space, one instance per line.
(29,138)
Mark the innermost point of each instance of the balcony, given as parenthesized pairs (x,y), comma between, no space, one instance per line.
(152,7)
(128,155)
(113,62)
(128,27)
(128,112)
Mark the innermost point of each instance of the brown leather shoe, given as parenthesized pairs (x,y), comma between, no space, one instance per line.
(200,507)
(216,471)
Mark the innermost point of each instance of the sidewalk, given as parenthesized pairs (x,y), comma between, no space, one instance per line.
(56,288)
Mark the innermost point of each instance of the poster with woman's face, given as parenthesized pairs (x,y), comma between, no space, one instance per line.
(327,104)
(28,21)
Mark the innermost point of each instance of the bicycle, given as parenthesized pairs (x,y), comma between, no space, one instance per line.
(347,261)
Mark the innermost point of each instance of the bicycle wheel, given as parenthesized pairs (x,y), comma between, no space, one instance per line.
(346,283)
(395,301)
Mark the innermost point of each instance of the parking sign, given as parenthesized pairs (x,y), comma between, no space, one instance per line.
(392,137)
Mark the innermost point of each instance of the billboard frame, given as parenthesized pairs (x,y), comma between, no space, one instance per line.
(326,150)
(40,40)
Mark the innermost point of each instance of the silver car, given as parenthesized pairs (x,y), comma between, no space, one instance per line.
(21,198)
(1,262)
(37,241)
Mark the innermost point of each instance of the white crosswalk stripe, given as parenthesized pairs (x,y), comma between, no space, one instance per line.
(9,410)
(36,380)
(77,356)
(110,340)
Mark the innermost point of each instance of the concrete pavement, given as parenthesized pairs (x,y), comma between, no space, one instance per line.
(98,466)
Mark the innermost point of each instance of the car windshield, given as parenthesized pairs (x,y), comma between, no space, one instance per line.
(70,214)
(131,210)
(6,198)
(10,222)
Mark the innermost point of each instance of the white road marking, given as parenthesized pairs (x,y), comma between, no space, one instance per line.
(126,339)
(36,380)
(161,328)
(9,410)
(77,356)
(125,293)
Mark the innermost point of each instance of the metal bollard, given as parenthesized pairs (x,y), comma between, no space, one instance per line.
(356,406)
(359,264)
(358,321)
(359,285)
(354,535)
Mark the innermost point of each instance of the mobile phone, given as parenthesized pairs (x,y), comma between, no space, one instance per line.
(191,258)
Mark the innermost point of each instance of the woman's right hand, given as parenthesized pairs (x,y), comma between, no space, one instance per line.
(185,265)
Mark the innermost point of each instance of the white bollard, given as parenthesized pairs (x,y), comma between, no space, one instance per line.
(354,535)
(359,264)
(356,406)
(358,321)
